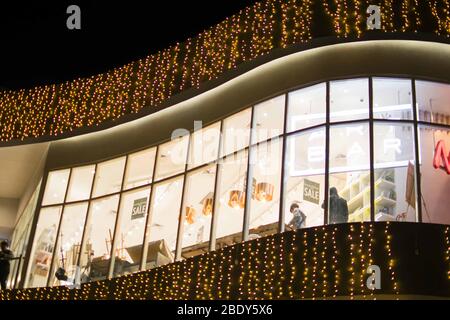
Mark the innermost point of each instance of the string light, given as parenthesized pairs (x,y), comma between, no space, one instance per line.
(255,31)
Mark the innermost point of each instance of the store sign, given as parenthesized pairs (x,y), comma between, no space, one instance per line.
(139,208)
(311,191)
(441,158)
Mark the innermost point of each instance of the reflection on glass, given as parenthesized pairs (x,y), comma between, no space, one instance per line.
(268,119)
(349,194)
(204,145)
(130,231)
(304,180)
(172,157)
(162,228)
(69,243)
(435,178)
(349,100)
(108,178)
(197,211)
(230,199)
(432,100)
(99,233)
(80,183)
(307,107)
(392,98)
(265,195)
(395,196)
(140,168)
(236,132)
(43,247)
(55,188)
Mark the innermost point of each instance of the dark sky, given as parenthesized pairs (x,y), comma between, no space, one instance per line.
(37,48)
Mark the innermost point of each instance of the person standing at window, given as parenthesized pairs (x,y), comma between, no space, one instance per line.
(5,256)
(299,219)
(338,208)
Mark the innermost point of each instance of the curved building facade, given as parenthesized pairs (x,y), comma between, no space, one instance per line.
(285,177)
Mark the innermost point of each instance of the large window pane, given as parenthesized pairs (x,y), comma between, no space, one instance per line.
(130,231)
(392,98)
(108,178)
(349,99)
(172,157)
(435,174)
(204,145)
(268,119)
(433,100)
(96,251)
(265,196)
(230,199)
(395,195)
(140,168)
(307,107)
(236,132)
(55,188)
(304,180)
(69,242)
(43,247)
(80,183)
(197,211)
(349,173)
(162,228)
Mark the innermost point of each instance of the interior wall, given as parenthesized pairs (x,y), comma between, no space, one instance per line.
(8,210)
(381,57)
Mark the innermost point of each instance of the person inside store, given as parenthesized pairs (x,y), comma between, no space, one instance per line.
(299,218)
(5,256)
(338,208)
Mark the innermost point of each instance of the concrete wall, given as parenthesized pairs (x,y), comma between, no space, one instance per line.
(8,211)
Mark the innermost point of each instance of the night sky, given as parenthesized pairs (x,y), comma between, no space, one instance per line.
(37,48)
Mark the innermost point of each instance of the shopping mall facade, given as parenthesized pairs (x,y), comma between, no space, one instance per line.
(173,177)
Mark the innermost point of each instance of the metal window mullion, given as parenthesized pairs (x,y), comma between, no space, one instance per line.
(112,256)
(327,155)
(248,184)
(371,152)
(58,232)
(416,153)
(143,262)
(212,235)
(281,226)
(180,230)
(86,222)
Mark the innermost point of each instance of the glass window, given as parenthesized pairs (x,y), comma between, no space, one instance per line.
(395,195)
(304,180)
(349,99)
(268,119)
(172,157)
(392,98)
(108,178)
(96,250)
(162,228)
(140,168)
(43,247)
(236,132)
(265,195)
(80,183)
(435,174)
(349,194)
(197,211)
(433,100)
(130,231)
(69,242)
(204,146)
(230,199)
(55,189)
(307,107)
